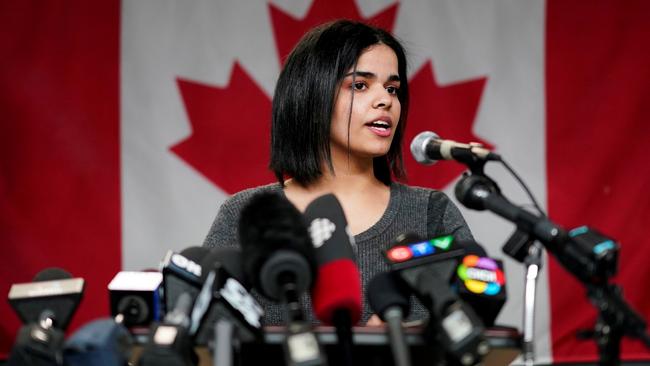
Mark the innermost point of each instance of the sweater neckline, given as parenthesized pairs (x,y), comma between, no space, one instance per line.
(385,219)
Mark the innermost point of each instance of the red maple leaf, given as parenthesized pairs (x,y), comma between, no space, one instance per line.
(230,137)
(231,127)
(288,30)
(448,111)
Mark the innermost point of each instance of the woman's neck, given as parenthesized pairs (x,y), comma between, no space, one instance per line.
(349,181)
(347,174)
(363,197)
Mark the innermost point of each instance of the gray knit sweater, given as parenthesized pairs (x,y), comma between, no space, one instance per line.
(426,212)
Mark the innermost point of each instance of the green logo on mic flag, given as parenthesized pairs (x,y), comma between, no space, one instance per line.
(443,242)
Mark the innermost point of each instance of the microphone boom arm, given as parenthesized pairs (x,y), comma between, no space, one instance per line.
(616,318)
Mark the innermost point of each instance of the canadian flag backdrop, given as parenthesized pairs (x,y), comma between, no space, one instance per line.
(124,125)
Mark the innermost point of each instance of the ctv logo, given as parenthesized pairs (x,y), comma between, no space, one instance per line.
(402,253)
(481,275)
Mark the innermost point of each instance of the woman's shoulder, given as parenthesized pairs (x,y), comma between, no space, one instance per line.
(238,200)
(437,203)
(430,195)
(223,231)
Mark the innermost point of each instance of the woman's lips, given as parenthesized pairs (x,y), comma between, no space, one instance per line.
(380,131)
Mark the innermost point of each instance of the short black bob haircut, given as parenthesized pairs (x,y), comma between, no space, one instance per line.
(305,95)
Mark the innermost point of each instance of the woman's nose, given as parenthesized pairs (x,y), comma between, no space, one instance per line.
(383,99)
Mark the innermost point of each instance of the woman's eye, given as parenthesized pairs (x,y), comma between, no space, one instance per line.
(359,86)
(392,90)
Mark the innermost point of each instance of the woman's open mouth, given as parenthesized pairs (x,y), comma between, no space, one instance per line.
(379,128)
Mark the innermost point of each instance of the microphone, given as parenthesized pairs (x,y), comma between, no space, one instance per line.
(182,273)
(224,310)
(52,290)
(426,267)
(478,280)
(389,298)
(336,295)
(230,259)
(224,296)
(589,255)
(170,343)
(45,306)
(277,254)
(427,148)
(135,299)
(278,258)
(481,283)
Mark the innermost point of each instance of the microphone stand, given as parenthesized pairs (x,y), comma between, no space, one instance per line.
(521,247)
(224,333)
(343,326)
(533,266)
(401,353)
(525,250)
(616,318)
(300,344)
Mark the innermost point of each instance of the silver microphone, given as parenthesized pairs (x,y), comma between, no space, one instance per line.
(427,148)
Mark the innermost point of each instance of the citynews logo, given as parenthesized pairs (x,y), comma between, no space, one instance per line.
(320,231)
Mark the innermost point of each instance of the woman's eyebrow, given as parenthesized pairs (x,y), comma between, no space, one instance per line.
(371,75)
(363,74)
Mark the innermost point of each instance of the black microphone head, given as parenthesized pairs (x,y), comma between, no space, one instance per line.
(471,247)
(195,253)
(230,259)
(328,228)
(52,274)
(336,261)
(275,242)
(481,283)
(224,296)
(53,294)
(182,273)
(472,190)
(385,291)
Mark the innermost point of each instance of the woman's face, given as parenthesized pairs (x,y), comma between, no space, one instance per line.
(375,110)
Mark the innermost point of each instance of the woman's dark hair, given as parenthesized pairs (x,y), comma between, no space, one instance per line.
(305,95)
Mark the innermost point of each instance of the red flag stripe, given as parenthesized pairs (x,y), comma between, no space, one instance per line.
(598,108)
(59,142)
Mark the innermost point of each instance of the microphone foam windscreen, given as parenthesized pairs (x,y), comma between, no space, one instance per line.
(52,293)
(230,259)
(52,274)
(337,288)
(270,223)
(472,247)
(338,284)
(386,291)
(481,283)
(195,254)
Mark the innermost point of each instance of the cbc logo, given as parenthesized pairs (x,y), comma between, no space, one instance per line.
(321,230)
